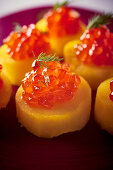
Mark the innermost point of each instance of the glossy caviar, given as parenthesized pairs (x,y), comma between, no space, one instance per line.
(1,82)
(55,84)
(21,45)
(96,47)
(63,21)
(111,88)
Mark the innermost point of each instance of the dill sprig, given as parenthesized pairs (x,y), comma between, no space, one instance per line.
(99,20)
(45,59)
(17,27)
(58,4)
(48,58)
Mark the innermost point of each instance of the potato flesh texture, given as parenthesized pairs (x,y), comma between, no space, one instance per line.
(104,107)
(58,43)
(93,74)
(42,25)
(62,118)
(14,69)
(5,91)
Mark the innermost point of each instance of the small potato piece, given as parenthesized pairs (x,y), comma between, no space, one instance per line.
(104,107)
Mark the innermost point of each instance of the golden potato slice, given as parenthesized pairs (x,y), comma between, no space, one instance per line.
(104,107)
(62,118)
(14,69)
(93,74)
(69,54)
(57,43)
(42,25)
(5,91)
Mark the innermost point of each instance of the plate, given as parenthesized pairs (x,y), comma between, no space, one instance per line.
(90,148)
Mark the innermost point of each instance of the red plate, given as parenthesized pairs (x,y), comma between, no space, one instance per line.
(90,148)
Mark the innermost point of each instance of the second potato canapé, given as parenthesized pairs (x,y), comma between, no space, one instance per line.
(92,55)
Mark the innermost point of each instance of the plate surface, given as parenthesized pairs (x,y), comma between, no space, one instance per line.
(91,148)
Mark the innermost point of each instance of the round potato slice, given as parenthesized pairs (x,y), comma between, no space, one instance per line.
(62,118)
(5,91)
(104,107)
(14,69)
(93,74)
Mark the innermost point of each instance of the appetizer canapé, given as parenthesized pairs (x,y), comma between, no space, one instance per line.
(52,100)
(16,54)
(5,89)
(92,56)
(104,105)
(62,24)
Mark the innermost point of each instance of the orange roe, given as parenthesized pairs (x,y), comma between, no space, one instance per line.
(96,47)
(111,88)
(21,45)
(63,21)
(1,82)
(62,85)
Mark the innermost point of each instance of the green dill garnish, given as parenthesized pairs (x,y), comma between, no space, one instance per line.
(48,58)
(100,20)
(45,59)
(17,27)
(57,5)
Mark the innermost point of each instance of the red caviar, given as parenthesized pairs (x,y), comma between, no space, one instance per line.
(1,82)
(111,88)
(96,47)
(63,21)
(21,45)
(62,85)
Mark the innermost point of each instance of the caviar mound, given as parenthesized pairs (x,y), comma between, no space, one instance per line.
(64,117)
(104,106)
(21,45)
(5,89)
(96,47)
(65,18)
(84,65)
(62,84)
(62,25)
(16,55)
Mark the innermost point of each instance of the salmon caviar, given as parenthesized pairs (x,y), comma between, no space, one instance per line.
(96,47)
(111,88)
(61,83)
(1,82)
(21,45)
(63,21)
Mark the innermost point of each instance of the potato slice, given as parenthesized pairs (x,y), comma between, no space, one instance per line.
(14,69)
(93,74)
(5,91)
(104,107)
(62,118)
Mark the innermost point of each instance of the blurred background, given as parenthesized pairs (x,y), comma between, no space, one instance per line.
(10,6)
